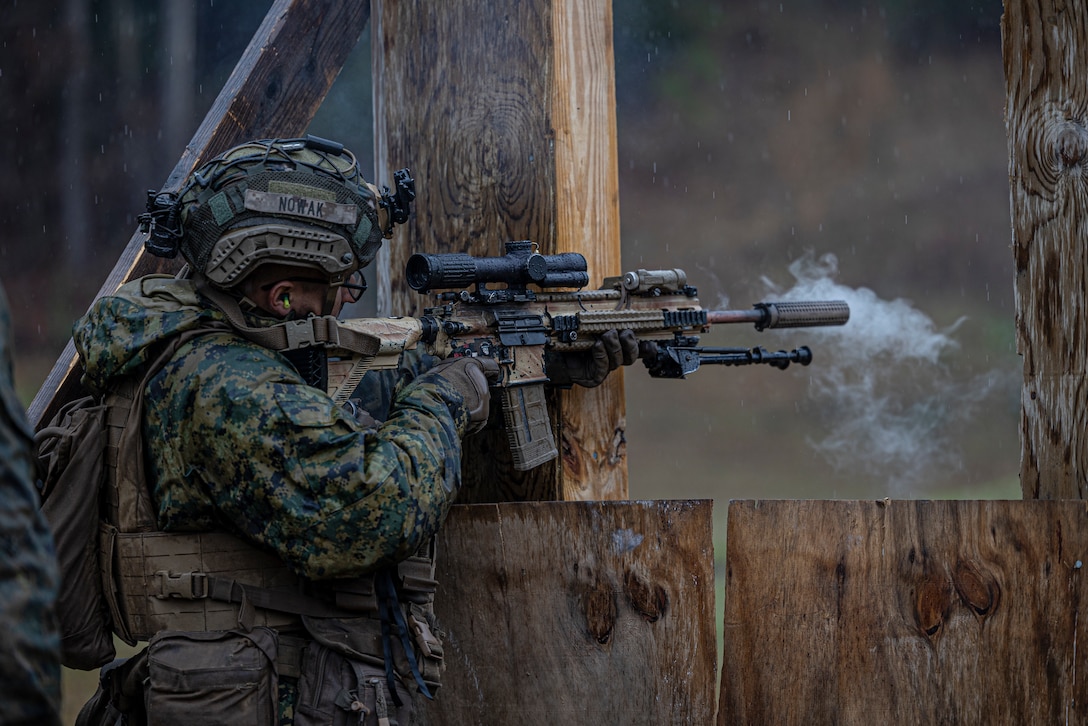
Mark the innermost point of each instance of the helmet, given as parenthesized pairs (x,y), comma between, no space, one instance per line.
(300,202)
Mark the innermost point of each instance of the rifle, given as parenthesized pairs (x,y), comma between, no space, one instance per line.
(516,325)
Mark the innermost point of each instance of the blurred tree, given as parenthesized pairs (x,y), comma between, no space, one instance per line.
(99,99)
(179,82)
(72,169)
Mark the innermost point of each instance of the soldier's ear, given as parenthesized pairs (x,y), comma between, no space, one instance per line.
(277,299)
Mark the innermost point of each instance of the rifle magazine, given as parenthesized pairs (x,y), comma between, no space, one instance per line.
(528,427)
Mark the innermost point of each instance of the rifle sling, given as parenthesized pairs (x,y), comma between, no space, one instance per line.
(323,330)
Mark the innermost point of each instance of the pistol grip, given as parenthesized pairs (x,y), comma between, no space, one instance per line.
(528,427)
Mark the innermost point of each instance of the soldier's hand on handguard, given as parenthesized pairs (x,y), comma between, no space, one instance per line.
(589,368)
(470,377)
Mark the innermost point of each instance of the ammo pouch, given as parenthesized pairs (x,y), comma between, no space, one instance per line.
(335,691)
(212,677)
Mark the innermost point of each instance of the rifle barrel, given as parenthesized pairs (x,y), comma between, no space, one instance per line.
(719,317)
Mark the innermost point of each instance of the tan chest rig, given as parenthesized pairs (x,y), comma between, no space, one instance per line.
(210,581)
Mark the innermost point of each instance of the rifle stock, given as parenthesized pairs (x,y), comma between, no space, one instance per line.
(516,326)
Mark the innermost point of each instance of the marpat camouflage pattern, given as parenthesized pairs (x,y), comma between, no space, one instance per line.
(238,442)
(29,643)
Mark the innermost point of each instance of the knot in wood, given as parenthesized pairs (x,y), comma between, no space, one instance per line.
(976,587)
(1071,144)
(599,605)
(646,598)
(933,601)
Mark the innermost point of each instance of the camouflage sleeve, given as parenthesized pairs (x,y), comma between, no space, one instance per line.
(29,644)
(248,441)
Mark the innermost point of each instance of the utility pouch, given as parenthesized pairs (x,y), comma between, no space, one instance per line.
(71,466)
(120,695)
(221,677)
(335,691)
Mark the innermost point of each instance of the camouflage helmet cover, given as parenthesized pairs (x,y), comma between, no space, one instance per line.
(300,202)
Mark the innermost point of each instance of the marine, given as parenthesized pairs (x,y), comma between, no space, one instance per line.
(29,642)
(274,548)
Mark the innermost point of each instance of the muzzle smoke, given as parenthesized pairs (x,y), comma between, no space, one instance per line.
(885,385)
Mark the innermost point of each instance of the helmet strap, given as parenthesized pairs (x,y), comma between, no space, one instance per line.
(332,292)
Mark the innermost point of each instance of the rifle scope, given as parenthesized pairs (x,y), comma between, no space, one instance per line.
(517,268)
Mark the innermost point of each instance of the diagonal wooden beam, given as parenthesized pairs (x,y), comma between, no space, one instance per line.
(274,91)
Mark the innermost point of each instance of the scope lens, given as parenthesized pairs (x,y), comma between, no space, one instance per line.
(418,272)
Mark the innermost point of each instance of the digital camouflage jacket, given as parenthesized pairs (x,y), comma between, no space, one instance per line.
(29,643)
(238,442)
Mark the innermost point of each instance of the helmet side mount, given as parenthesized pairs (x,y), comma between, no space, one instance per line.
(161,224)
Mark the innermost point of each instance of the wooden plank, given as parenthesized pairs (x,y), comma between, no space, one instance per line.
(1046,56)
(577,612)
(505,111)
(920,612)
(274,91)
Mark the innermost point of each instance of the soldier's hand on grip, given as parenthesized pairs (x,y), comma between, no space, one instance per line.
(470,377)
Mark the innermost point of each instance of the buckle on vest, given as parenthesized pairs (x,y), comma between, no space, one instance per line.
(300,334)
(186,585)
(324,330)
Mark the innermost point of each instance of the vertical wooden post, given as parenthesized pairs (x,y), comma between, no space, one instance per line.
(505,112)
(1046,58)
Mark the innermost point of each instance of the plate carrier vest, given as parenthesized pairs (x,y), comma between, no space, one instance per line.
(159,581)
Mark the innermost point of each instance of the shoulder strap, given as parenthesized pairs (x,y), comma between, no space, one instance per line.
(128,504)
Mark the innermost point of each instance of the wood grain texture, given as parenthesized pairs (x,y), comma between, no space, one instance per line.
(592,422)
(1045,55)
(904,612)
(577,613)
(505,112)
(274,91)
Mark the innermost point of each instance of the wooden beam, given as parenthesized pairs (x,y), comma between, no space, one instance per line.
(505,111)
(855,613)
(577,612)
(274,91)
(1046,57)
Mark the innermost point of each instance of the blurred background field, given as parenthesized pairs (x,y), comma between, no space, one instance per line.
(832,147)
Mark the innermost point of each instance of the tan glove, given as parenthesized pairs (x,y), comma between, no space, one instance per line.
(590,368)
(470,376)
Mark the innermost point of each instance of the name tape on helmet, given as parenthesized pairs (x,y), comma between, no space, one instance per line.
(299,206)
